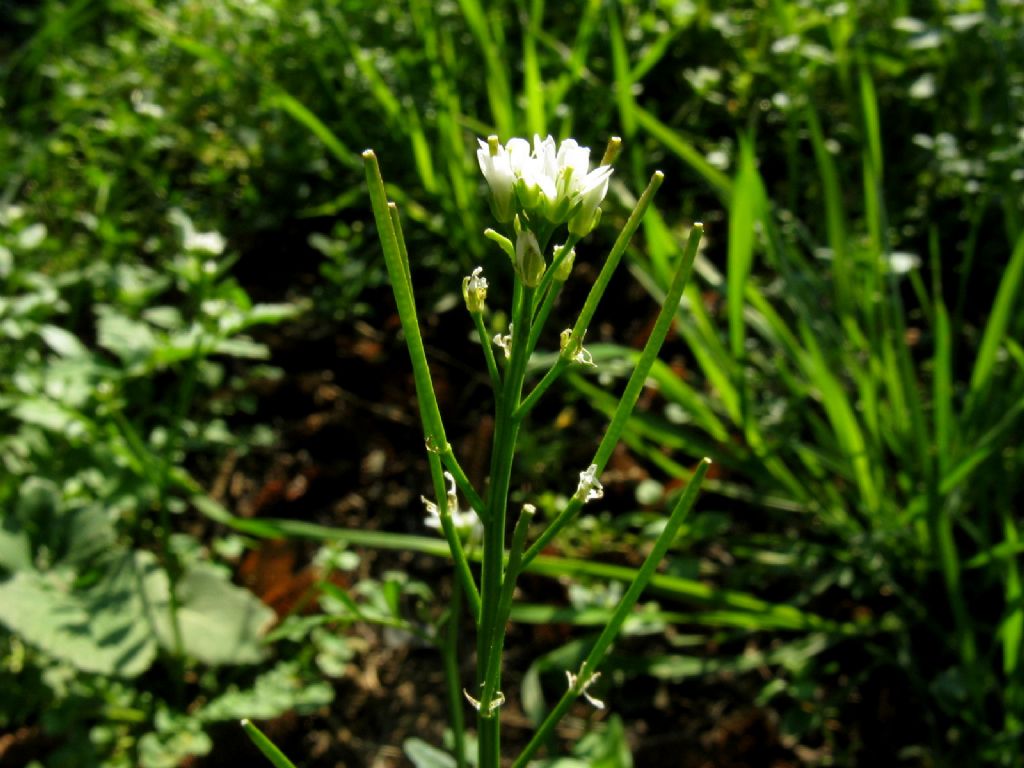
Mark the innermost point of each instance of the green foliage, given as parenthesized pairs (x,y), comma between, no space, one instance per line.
(851,355)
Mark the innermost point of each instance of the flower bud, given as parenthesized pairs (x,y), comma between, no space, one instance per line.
(529,260)
(564,268)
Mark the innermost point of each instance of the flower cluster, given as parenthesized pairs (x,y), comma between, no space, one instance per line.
(550,181)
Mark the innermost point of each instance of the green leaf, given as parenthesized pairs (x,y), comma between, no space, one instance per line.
(132,341)
(272,314)
(423,755)
(51,416)
(607,748)
(99,630)
(15,548)
(63,342)
(283,689)
(176,738)
(220,623)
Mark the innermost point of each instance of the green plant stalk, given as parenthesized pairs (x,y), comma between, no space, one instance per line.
(450,653)
(485,342)
(549,273)
(541,318)
(633,388)
(266,746)
(398,272)
(541,387)
(625,606)
(462,482)
(594,296)
(614,257)
(451,535)
(397,262)
(547,293)
(503,452)
(508,585)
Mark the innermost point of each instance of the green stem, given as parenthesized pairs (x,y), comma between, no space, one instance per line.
(396,261)
(462,570)
(614,257)
(622,611)
(505,435)
(541,318)
(549,273)
(542,386)
(508,585)
(453,466)
(633,389)
(485,342)
(450,653)
(596,293)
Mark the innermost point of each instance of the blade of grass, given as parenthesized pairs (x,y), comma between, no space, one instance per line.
(746,209)
(623,85)
(533,81)
(1010,287)
(673,141)
(675,587)
(499,93)
(266,746)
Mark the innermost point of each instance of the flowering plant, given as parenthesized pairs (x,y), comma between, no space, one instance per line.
(536,189)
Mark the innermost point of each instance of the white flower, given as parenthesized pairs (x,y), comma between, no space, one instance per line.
(580,683)
(594,188)
(496,702)
(505,342)
(465,522)
(579,354)
(551,180)
(590,488)
(496,166)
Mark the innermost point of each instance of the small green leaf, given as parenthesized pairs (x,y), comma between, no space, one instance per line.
(220,623)
(423,755)
(63,342)
(283,689)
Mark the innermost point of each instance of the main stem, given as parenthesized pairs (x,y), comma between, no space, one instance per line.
(491,627)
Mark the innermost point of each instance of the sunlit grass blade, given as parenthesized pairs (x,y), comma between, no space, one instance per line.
(499,92)
(575,67)
(673,141)
(303,115)
(620,66)
(533,80)
(843,419)
(835,217)
(746,209)
(690,591)
(999,319)
(266,746)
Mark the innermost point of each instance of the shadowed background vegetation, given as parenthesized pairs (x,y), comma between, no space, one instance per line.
(206,412)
